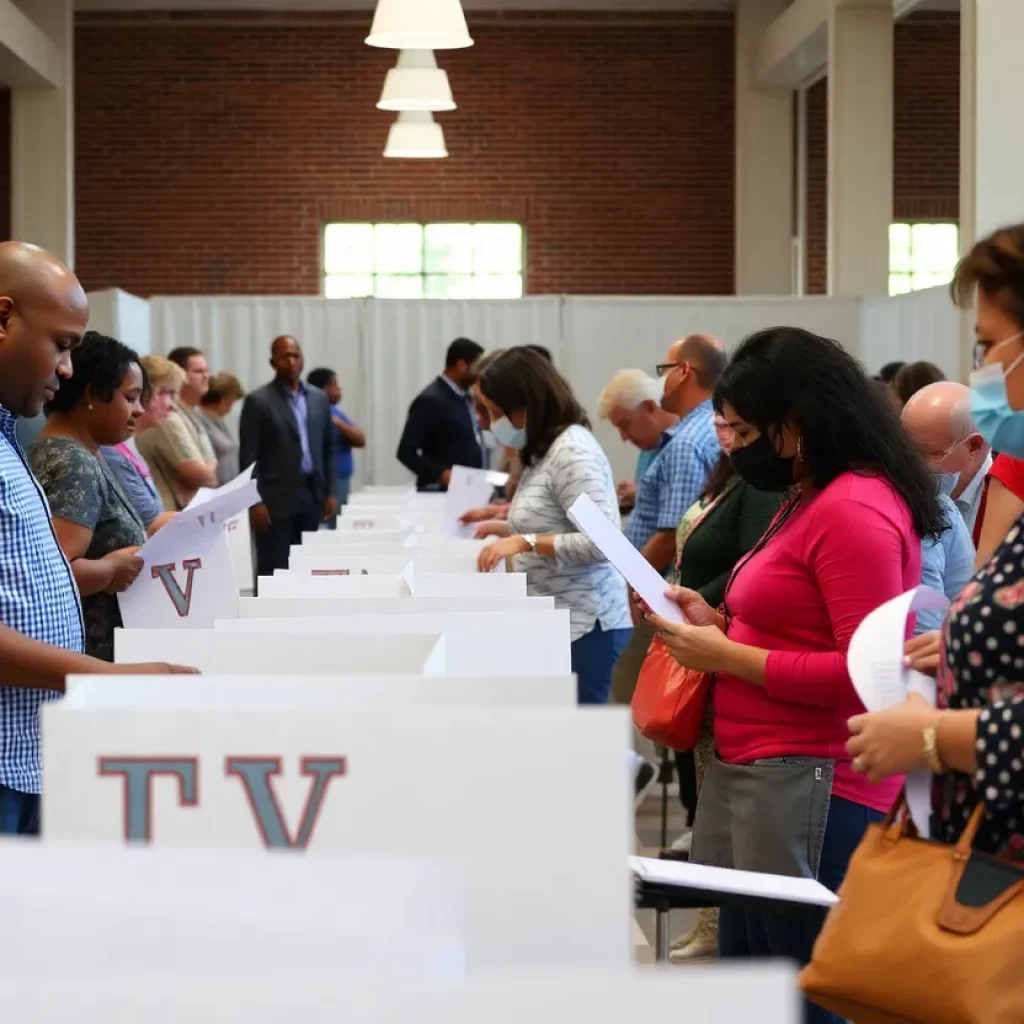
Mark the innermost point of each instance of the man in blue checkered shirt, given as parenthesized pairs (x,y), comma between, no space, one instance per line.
(43,314)
(686,453)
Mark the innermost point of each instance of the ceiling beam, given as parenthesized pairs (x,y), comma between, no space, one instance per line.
(29,59)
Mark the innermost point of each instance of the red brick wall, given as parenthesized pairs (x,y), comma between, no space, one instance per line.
(211,150)
(927,128)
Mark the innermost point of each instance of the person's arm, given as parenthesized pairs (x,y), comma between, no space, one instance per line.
(330,451)
(189,465)
(660,550)
(144,501)
(415,436)
(1002,509)
(855,553)
(248,433)
(679,481)
(160,522)
(756,510)
(355,437)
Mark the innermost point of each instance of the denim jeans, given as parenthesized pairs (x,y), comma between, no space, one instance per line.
(19,813)
(791,934)
(593,657)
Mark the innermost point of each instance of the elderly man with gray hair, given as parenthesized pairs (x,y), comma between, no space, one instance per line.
(938,418)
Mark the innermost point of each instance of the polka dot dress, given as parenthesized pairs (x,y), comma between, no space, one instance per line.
(983,667)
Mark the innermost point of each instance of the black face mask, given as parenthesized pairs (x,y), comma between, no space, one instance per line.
(761,466)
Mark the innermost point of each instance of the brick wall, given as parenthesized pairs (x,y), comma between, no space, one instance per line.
(927,127)
(211,150)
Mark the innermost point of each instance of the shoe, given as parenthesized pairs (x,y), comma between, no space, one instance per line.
(699,945)
(684,843)
(645,779)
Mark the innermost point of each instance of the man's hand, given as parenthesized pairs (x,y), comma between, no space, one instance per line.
(259,518)
(445,477)
(626,493)
(125,566)
(153,668)
(330,507)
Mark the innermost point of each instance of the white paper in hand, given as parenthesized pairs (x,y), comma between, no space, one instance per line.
(875,663)
(467,489)
(636,570)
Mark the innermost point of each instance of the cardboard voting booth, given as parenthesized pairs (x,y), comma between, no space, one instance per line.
(329,562)
(762,993)
(477,784)
(325,693)
(391,540)
(225,914)
(473,641)
(445,585)
(212,651)
(300,607)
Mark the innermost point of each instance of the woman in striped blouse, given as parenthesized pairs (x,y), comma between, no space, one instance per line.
(532,408)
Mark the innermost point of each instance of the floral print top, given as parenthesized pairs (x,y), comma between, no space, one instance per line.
(983,667)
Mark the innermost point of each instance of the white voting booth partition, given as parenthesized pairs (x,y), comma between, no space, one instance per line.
(325,693)
(765,993)
(474,784)
(314,561)
(233,653)
(329,607)
(472,640)
(226,914)
(446,585)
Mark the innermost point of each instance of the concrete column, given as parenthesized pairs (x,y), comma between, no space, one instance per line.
(42,141)
(860,148)
(764,164)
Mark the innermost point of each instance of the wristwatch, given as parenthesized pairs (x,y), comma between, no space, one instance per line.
(531,539)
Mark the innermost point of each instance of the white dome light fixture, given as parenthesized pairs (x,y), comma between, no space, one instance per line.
(419,25)
(416,83)
(415,135)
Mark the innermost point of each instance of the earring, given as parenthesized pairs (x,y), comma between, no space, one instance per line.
(90,407)
(800,448)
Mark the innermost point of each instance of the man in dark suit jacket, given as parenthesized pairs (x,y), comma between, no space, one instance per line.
(441,430)
(286,431)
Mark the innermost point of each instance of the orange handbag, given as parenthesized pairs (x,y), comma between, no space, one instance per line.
(923,933)
(669,700)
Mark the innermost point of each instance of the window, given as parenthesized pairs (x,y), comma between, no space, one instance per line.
(921,256)
(423,261)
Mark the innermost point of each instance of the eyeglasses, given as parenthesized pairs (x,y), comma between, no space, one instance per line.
(662,368)
(982,349)
(934,458)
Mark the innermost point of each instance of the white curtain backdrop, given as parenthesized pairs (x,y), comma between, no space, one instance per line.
(921,325)
(386,351)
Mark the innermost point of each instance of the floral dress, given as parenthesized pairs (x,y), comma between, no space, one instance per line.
(982,666)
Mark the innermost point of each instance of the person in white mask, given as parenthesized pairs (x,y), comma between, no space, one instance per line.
(973,742)
(532,408)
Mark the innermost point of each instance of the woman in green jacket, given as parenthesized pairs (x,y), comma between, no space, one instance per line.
(714,534)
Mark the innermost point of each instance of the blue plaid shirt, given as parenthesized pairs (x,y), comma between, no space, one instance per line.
(686,454)
(38,597)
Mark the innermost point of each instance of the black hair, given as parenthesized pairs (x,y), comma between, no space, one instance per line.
(785,373)
(914,376)
(889,371)
(541,351)
(181,355)
(521,379)
(99,364)
(321,377)
(462,350)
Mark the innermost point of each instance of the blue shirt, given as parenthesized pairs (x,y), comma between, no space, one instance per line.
(297,400)
(947,563)
(38,598)
(141,490)
(346,463)
(686,454)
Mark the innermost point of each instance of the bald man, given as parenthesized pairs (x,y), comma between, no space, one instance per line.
(938,418)
(286,431)
(43,314)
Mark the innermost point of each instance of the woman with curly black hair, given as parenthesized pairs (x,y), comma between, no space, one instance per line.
(95,522)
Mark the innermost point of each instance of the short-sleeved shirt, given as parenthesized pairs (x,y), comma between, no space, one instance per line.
(345,462)
(947,562)
(136,481)
(179,439)
(81,489)
(38,598)
(686,454)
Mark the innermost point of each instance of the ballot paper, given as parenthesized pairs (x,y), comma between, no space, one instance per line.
(467,489)
(497,479)
(637,571)
(239,537)
(685,875)
(875,663)
(188,578)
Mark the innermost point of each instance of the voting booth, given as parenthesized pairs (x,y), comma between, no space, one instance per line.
(477,785)
(300,607)
(447,585)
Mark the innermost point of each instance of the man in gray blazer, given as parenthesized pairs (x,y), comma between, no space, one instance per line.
(286,431)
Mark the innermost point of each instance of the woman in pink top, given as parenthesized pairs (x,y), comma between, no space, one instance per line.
(781,795)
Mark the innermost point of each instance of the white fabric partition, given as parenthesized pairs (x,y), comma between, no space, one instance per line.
(921,325)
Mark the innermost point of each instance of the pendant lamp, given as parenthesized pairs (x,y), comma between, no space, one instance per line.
(419,25)
(416,83)
(415,135)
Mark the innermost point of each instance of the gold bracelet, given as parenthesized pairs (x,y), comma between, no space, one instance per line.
(931,749)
